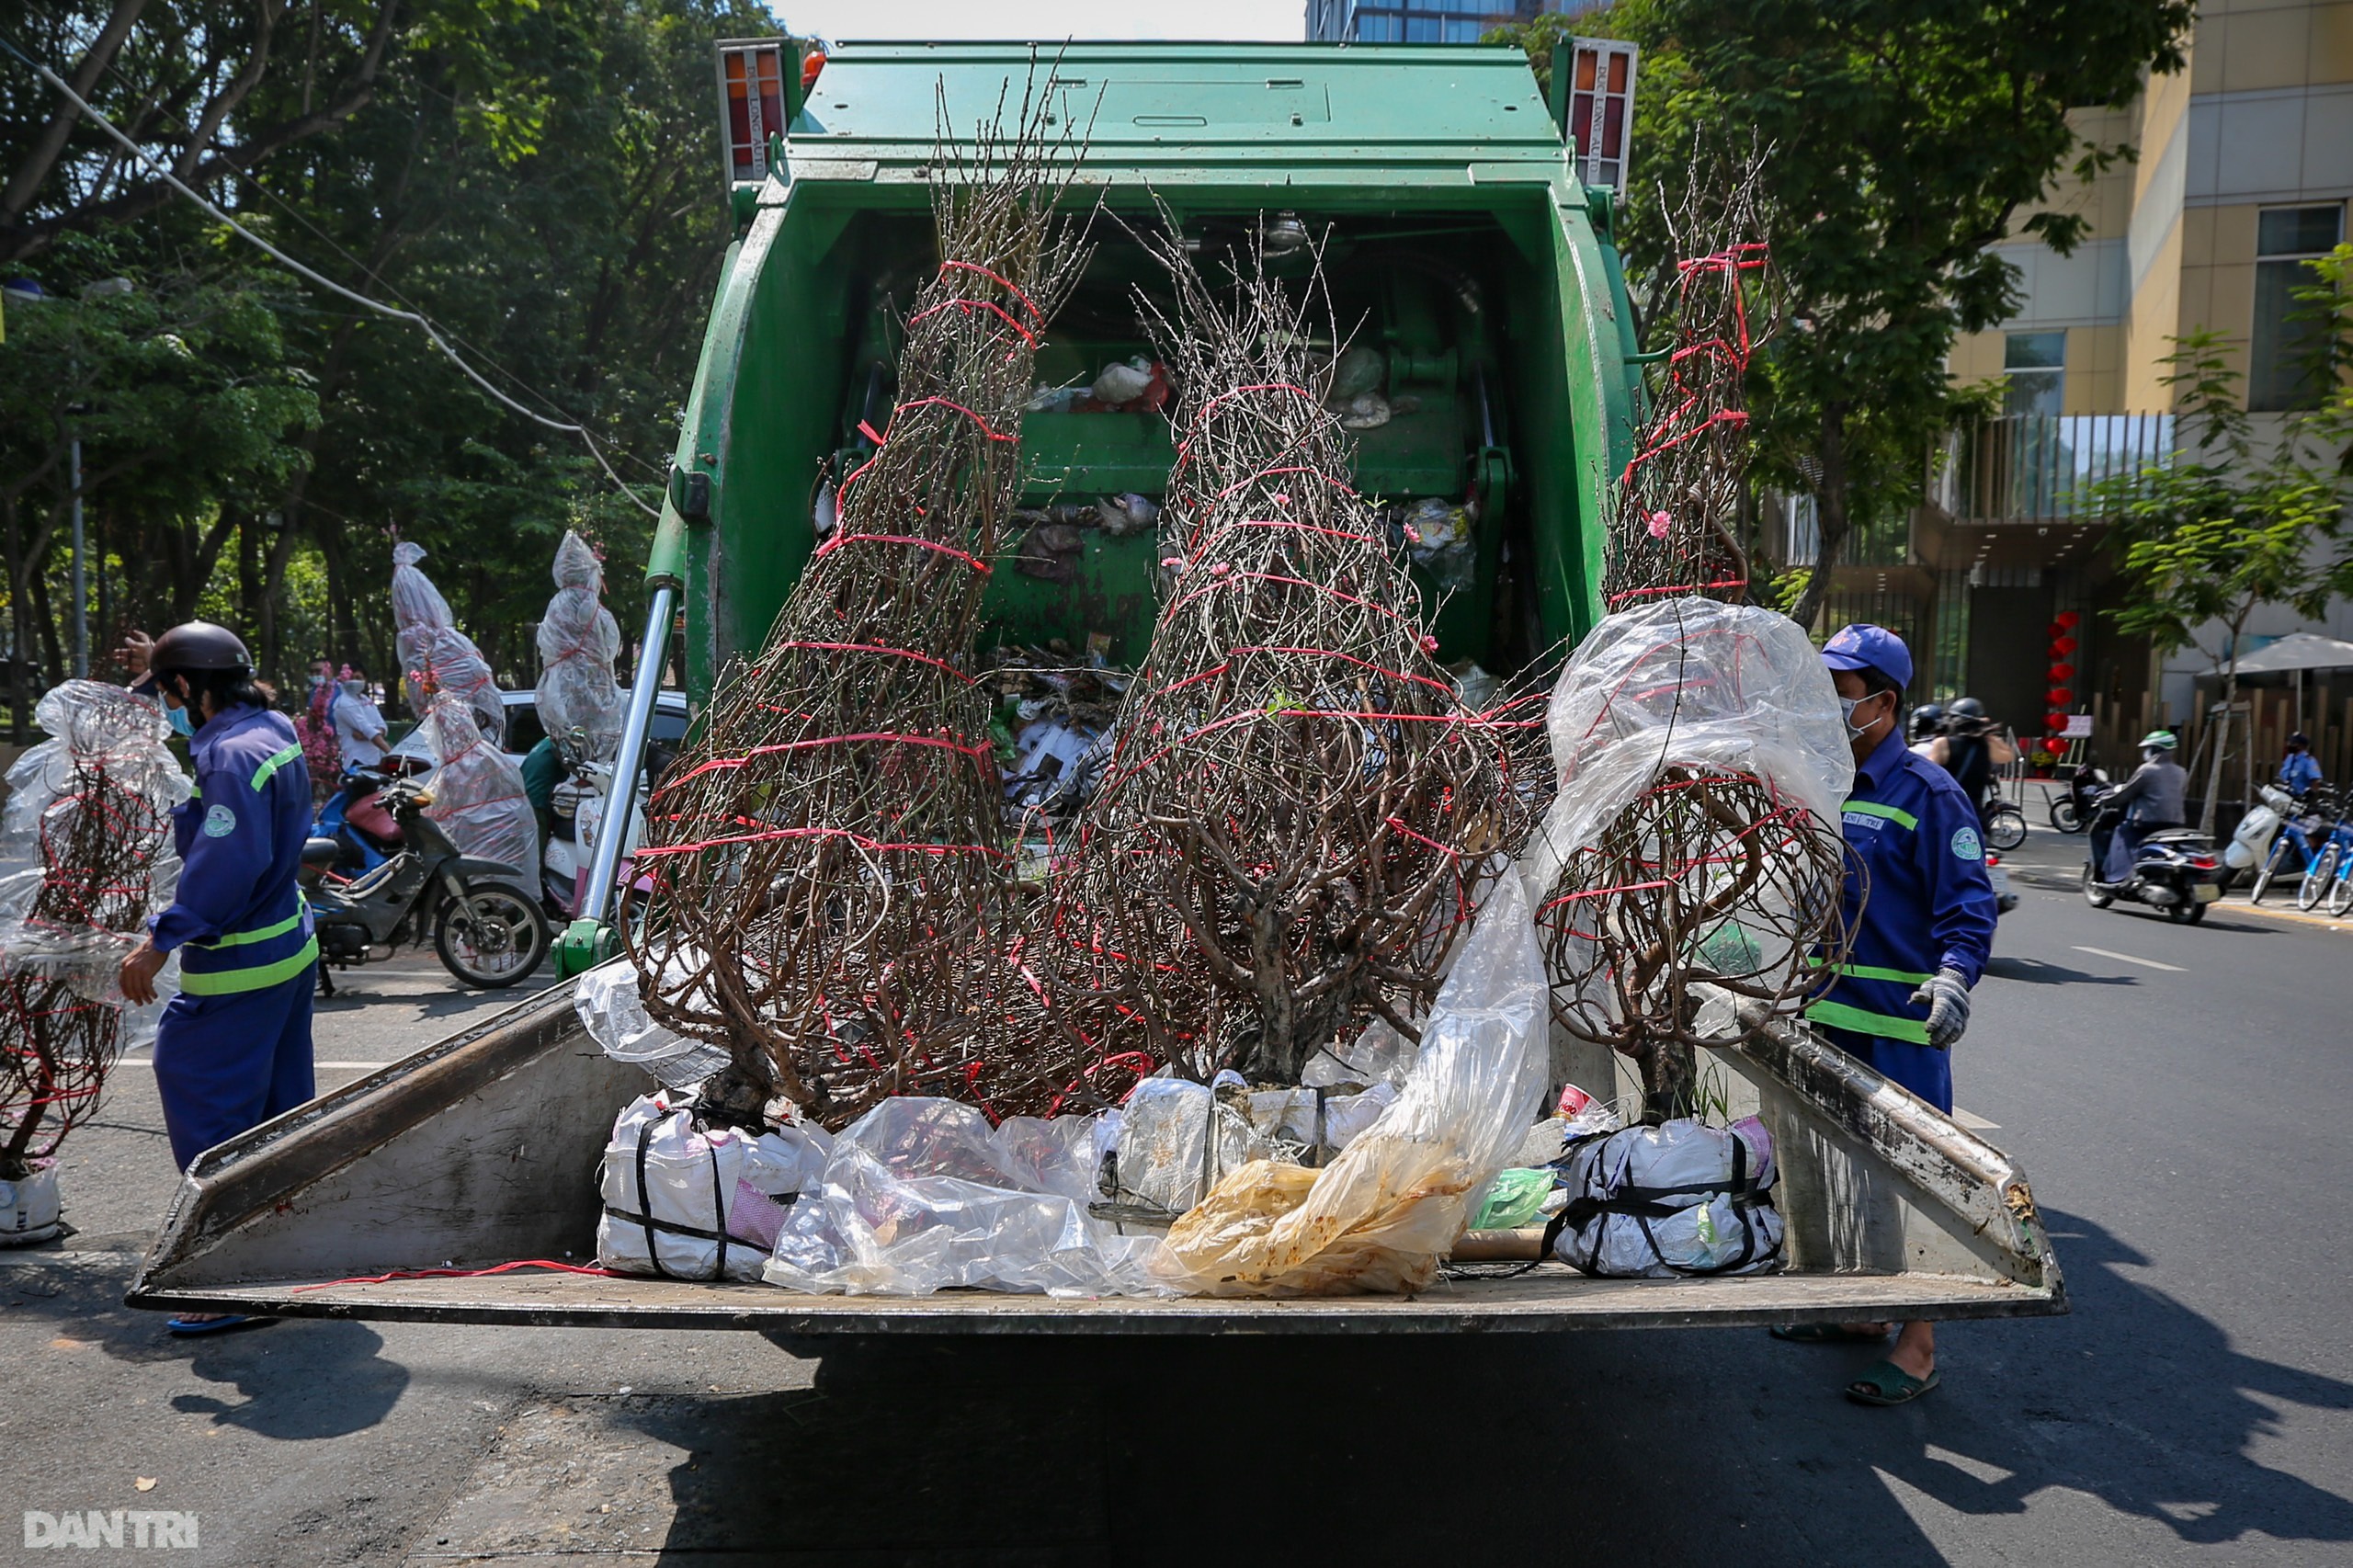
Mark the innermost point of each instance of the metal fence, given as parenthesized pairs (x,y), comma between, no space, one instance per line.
(2042,468)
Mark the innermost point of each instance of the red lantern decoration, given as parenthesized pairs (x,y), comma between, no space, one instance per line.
(2058,721)
(2063,646)
(2060,696)
(2055,630)
(2068,618)
(2062,671)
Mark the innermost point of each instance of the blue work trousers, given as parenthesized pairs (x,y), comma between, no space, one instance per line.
(227,1063)
(1923,1069)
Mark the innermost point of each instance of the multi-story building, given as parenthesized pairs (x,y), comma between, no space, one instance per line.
(1425,21)
(2243,170)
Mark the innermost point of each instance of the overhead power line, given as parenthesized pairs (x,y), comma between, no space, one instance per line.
(415,318)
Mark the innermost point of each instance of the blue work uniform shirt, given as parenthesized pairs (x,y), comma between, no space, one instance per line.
(1930,907)
(237,918)
(2299,772)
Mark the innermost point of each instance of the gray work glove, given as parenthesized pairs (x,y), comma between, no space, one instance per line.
(1945,996)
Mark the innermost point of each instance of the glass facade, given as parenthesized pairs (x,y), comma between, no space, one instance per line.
(1425,21)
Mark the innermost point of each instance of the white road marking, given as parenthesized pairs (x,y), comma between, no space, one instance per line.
(2128,958)
(1975,1122)
(337,1066)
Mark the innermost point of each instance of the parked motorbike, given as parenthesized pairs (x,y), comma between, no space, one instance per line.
(485,927)
(2173,869)
(2073,811)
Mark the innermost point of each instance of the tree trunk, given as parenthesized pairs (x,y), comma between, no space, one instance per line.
(2222,740)
(1830,516)
(53,667)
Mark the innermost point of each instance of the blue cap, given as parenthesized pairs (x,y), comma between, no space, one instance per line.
(1863,647)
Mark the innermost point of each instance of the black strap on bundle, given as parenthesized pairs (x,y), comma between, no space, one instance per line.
(646,1204)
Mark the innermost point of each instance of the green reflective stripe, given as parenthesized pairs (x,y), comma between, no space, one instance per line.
(1872,971)
(1873,809)
(1839,1016)
(261,774)
(227,981)
(260,934)
(194,791)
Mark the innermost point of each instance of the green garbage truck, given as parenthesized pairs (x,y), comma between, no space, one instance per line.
(1440,195)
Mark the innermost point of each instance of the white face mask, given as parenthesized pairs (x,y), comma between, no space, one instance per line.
(1847,706)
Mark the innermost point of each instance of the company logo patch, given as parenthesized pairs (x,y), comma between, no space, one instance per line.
(1965,846)
(220,822)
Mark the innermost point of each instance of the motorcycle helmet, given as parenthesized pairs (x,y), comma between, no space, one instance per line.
(2158,740)
(1966,708)
(198,645)
(1926,720)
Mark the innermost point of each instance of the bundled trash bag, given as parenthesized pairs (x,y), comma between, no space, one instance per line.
(435,655)
(1679,1199)
(478,792)
(579,700)
(688,1202)
(1383,1214)
(922,1195)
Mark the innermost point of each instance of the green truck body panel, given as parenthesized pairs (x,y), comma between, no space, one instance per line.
(1458,243)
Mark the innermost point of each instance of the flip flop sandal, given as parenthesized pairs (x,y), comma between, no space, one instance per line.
(1886,1383)
(188,1328)
(1827,1333)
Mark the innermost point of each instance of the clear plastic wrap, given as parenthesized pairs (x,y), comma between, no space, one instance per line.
(579,702)
(1687,681)
(1383,1214)
(435,655)
(921,1194)
(478,792)
(613,1009)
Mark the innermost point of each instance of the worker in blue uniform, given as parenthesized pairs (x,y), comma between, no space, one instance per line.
(1920,911)
(233,1048)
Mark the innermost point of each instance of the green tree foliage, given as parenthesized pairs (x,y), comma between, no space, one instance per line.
(539,176)
(1906,137)
(2224,528)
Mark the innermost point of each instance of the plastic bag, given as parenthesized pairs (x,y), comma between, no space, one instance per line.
(612,1009)
(478,792)
(711,1199)
(1679,1199)
(917,1197)
(1694,682)
(1382,1215)
(579,700)
(1515,1197)
(436,655)
(1178,1140)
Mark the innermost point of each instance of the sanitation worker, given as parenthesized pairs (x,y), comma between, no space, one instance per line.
(233,1048)
(1921,938)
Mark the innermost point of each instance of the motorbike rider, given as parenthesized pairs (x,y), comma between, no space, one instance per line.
(1926,732)
(1974,746)
(2300,769)
(233,1048)
(358,725)
(1920,939)
(2152,799)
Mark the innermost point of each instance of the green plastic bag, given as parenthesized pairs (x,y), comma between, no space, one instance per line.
(1516,1199)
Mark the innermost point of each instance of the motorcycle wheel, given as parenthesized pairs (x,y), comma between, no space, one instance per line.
(497,938)
(2317,875)
(2064,815)
(2186,914)
(2092,895)
(2006,829)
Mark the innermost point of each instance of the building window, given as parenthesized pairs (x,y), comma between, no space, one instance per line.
(2034,366)
(2286,372)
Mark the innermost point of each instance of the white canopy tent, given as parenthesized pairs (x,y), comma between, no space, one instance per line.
(2299,651)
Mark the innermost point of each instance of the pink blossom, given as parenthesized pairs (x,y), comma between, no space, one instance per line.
(1660,523)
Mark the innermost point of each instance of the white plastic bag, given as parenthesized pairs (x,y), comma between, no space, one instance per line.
(1383,1214)
(478,792)
(709,1200)
(579,702)
(1687,681)
(917,1197)
(1679,1199)
(612,1009)
(436,655)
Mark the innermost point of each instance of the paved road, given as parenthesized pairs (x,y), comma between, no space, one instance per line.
(2177,1095)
